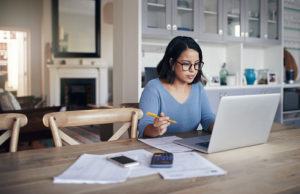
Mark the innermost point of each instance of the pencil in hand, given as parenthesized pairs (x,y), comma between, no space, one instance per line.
(156,116)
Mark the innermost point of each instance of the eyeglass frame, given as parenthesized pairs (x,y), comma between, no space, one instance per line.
(200,64)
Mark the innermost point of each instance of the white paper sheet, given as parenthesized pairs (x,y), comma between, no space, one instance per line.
(166,144)
(189,165)
(93,169)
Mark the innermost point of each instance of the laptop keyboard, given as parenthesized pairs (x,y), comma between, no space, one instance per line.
(203,144)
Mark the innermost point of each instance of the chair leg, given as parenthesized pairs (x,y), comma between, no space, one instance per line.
(134,122)
(15,136)
(54,130)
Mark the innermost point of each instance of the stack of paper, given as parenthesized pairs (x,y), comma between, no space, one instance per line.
(97,169)
(166,144)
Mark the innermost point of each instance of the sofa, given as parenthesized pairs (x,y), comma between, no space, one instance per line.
(34,109)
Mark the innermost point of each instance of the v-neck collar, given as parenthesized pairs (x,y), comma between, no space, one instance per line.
(172,97)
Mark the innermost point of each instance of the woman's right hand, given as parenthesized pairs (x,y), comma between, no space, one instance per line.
(161,124)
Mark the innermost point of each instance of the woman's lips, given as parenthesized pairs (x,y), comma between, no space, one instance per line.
(191,76)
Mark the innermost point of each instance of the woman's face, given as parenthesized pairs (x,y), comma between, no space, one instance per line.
(184,71)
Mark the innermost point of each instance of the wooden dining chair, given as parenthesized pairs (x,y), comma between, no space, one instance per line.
(56,120)
(11,122)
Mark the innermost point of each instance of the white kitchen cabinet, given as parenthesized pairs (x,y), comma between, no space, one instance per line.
(167,18)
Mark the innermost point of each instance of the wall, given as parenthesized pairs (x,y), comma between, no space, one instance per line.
(26,15)
(127,55)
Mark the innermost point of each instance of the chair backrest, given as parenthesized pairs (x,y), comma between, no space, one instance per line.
(55,120)
(11,122)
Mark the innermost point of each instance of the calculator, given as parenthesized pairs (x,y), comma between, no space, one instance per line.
(162,160)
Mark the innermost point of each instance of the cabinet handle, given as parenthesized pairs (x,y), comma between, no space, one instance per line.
(242,34)
(220,32)
(174,27)
(169,27)
(246,34)
(266,35)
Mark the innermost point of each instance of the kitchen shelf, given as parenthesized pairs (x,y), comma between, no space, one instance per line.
(210,12)
(233,16)
(291,28)
(272,21)
(253,19)
(184,9)
(292,9)
(156,5)
(262,86)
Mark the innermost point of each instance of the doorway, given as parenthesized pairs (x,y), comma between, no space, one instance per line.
(14,62)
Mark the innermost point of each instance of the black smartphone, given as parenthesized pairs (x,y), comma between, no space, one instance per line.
(123,161)
(162,160)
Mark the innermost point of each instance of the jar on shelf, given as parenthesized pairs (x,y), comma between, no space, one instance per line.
(262,76)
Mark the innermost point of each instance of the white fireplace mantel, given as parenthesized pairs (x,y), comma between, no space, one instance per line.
(99,72)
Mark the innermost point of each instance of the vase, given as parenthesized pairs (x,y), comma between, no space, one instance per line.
(250,76)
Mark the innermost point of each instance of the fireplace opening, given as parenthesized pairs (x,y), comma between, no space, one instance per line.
(77,93)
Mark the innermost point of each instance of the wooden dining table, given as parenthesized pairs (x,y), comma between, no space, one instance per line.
(272,168)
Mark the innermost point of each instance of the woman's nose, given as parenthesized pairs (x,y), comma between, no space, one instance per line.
(192,68)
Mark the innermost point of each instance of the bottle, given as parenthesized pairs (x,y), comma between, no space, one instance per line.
(223,75)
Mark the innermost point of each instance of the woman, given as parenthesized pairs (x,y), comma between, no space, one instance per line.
(177,93)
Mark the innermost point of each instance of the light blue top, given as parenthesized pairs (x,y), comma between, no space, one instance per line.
(188,115)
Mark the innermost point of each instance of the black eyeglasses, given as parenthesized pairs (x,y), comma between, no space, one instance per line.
(186,66)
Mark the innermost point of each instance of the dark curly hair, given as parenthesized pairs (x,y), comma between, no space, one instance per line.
(173,51)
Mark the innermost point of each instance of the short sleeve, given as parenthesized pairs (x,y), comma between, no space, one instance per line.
(149,102)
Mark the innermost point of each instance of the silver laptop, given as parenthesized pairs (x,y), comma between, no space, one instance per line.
(241,121)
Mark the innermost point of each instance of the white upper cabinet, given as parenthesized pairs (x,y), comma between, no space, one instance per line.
(249,21)
(252,21)
(167,18)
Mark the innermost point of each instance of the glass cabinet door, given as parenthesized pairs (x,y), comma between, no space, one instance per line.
(184,15)
(157,16)
(272,19)
(211,19)
(211,23)
(253,19)
(233,18)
